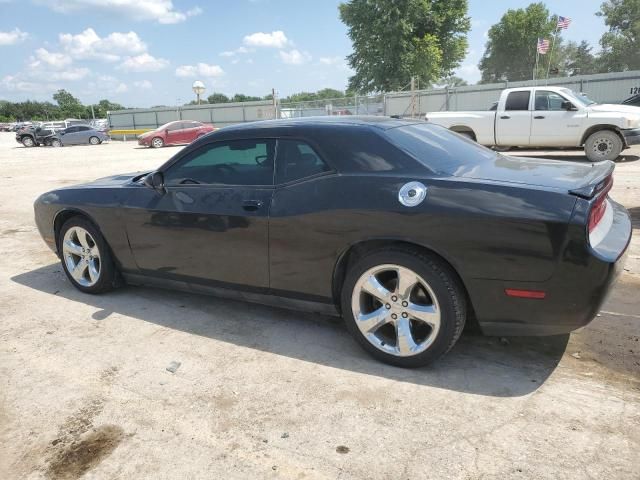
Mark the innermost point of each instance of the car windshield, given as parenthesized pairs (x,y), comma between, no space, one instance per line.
(581,98)
(438,148)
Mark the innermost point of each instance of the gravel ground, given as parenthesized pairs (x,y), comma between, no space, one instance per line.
(260,392)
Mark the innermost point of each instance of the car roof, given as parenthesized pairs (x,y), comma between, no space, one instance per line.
(379,122)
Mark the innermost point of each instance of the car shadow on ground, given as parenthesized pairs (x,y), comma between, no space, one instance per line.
(634,212)
(478,365)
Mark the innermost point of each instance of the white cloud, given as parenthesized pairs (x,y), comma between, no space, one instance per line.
(469,72)
(13,37)
(331,60)
(294,57)
(237,51)
(161,11)
(44,58)
(143,84)
(201,69)
(89,45)
(143,63)
(121,88)
(275,39)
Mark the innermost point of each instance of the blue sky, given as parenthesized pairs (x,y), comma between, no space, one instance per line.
(148,52)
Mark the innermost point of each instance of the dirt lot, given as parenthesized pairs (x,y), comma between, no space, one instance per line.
(268,393)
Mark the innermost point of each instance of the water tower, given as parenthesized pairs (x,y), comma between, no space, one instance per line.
(198,88)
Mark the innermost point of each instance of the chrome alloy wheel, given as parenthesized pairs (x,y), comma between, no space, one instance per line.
(81,256)
(602,146)
(157,142)
(396,310)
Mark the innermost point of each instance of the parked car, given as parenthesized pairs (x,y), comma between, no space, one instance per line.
(179,132)
(100,124)
(5,127)
(549,117)
(78,135)
(403,227)
(633,100)
(35,136)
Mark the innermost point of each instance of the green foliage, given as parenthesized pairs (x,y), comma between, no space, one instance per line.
(69,105)
(576,59)
(621,44)
(510,51)
(218,98)
(394,40)
(241,97)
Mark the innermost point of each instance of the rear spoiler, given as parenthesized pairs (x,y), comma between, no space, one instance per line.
(597,180)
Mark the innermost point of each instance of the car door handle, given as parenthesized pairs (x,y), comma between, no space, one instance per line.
(505,117)
(251,205)
(538,117)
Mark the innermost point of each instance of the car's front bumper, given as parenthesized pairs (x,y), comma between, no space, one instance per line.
(631,136)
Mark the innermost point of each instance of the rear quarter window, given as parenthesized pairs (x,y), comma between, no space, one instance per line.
(437,148)
(518,100)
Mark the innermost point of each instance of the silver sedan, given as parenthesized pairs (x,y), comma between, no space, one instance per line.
(78,135)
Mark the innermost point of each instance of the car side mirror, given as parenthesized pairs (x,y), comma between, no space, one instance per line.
(567,105)
(155,181)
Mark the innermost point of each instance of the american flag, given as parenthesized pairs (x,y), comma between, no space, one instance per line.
(543,45)
(563,22)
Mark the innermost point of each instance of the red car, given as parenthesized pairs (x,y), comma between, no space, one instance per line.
(179,132)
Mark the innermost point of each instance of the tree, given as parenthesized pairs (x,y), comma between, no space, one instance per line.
(576,59)
(394,40)
(621,44)
(452,81)
(510,52)
(241,97)
(217,98)
(69,105)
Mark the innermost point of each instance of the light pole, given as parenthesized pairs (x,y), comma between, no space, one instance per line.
(198,88)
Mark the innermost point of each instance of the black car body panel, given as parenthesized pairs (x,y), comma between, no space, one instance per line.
(501,223)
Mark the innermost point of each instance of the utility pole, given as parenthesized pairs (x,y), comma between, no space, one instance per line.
(275,103)
(93,114)
(413,97)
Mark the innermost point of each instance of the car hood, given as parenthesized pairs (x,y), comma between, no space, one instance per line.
(615,108)
(551,174)
(112,181)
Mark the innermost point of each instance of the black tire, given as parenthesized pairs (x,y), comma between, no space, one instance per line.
(156,142)
(108,274)
(55,143)
(603,145)
(28,142)
(444,284)
(94,141)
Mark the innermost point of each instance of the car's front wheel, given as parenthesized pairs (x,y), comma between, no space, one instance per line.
(404,307)
(157,142)
(85,257)
(28,142)
(56,143)
(94,140)
(603,145)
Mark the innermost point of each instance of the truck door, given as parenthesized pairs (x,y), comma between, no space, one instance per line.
(513,122)
(553,125)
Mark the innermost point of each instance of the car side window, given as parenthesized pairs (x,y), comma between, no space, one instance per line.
(83,129)
(296,160)
(546,100)
(518,100)
(175,126)
(71,130)
(234,162)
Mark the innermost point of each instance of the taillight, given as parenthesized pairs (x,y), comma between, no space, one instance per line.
(599,206)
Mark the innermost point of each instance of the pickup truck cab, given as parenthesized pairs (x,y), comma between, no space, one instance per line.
(549,117)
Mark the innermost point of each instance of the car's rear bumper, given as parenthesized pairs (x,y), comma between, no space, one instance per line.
(573,296)
(631,136)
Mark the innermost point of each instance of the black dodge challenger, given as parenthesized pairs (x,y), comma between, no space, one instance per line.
(404,228)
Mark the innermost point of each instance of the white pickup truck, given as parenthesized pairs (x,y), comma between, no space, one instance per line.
(549,117)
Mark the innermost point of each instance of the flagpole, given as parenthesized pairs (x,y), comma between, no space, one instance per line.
(535,69)
(552,45)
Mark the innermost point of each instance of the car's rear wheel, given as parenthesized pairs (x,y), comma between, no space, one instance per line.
(56,143)
(94,140)
(404,307)
(603,145)
(28,142)
(85,256)
(157,142)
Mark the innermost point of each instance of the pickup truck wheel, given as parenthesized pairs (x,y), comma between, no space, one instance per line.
(603,145)
(28,142)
